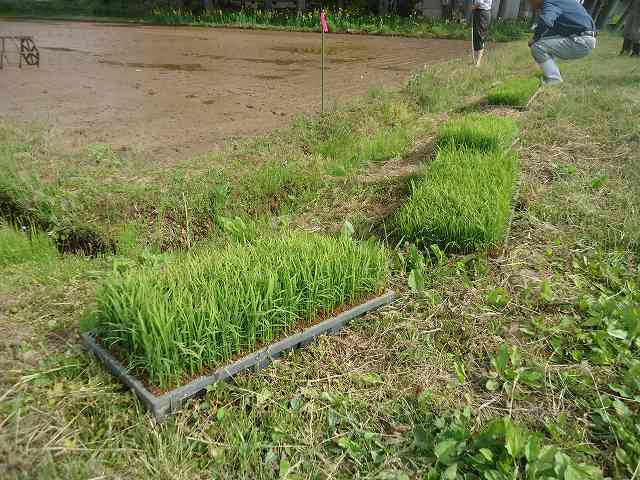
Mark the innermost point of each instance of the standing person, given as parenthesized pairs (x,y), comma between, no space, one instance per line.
(480,19)
(564,30)
(631,42)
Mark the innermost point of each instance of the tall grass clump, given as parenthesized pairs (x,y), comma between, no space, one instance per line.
(204,308)
(478,132)
(463,203)
(514,92)
(17,247)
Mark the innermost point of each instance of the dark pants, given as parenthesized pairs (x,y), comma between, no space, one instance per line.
(480,19)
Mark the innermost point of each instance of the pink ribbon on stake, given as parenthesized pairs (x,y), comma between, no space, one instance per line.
(323,22)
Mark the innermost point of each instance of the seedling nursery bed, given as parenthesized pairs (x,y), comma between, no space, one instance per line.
(517,93)
(171,401)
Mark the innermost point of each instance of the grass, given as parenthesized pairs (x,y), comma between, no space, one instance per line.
(28,202)
(514,92)
(166,325)
(464,201)
(483,133)
(444,88)
(485,354)
(18,247)
(179,202)
(180,205)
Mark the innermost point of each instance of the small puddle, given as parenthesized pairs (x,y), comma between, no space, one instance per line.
(307,50)
(349,60)
(206,55)
(63,49)
(397,69)
(179,67)
(275,61)
(270,77)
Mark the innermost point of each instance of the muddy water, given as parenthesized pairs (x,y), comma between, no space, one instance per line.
(174,92)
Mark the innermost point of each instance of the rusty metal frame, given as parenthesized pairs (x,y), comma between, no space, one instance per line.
(27,50)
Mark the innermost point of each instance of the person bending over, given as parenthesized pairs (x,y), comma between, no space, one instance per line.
(480,18)
(564,30)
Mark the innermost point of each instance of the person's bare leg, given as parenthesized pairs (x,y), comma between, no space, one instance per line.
(478,57)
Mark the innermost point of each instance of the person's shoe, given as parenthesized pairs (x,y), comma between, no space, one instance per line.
(626,47)
(478,57)
(635,50)
(550,72)
(551,81)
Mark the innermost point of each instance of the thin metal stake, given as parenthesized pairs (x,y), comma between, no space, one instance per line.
(322,72)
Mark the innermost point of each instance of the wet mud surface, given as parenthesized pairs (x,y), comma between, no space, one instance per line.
(176,92)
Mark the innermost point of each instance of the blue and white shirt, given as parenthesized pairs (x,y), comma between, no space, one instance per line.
(562,18)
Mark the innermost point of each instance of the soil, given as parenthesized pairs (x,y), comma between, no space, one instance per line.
(177,92)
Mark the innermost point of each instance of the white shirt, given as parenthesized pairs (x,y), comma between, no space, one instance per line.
(482,4)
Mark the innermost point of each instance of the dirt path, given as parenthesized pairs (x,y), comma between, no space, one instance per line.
(182,91)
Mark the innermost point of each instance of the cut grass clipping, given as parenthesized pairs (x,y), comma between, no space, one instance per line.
(514,92)
(210,306)
(478,132)
(463,203)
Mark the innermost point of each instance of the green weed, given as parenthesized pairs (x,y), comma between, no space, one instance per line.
(24,246)
(500,450)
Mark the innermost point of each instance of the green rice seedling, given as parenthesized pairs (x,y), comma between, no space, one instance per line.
(463,203)
(205,307)
(18,247)
(514,92)
(478,132)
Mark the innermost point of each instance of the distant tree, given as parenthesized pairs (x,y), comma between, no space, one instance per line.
(632,25)
(605,13)
(623,18)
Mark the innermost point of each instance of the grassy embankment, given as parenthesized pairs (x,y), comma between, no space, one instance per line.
(340,20)
(474,368)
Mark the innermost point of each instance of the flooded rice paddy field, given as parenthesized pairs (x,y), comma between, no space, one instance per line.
(182,91)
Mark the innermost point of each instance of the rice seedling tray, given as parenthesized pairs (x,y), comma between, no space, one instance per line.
(171,401)
(517,93)
(526,106)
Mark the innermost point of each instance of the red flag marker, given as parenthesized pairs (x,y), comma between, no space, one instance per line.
(323,22)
